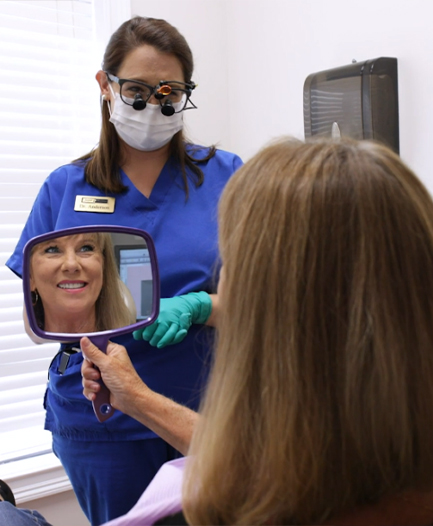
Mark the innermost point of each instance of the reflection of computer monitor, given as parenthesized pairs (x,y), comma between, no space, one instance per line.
(135,271)
(146,297)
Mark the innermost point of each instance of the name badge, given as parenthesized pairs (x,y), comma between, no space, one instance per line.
(91,203)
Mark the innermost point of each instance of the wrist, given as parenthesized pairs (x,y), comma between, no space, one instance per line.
(202,306)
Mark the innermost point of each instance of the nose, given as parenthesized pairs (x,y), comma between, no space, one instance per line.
(153,100)
(70,261)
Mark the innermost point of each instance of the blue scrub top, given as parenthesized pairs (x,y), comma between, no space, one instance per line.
(185,236)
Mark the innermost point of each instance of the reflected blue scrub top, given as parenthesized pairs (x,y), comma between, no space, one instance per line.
(185,236)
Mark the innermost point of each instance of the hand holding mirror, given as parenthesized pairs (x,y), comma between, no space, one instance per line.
(95,281)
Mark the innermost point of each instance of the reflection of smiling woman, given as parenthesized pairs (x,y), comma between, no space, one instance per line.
(74,283)
(67,275)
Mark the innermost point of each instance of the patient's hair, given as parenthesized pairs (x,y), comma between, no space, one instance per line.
(111,310)
(321,394)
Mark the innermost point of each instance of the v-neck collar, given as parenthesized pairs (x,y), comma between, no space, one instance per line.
(169,173)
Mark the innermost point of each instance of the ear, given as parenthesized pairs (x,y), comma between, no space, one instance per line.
(101,78)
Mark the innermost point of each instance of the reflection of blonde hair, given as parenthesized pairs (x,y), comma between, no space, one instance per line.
(321,395)
(111,309)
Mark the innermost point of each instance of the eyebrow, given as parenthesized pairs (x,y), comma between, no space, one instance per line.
(58,241)
(135,79)
(48,242)
(148,83)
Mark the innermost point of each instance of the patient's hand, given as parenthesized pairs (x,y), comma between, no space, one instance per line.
(171,421)
(117,372)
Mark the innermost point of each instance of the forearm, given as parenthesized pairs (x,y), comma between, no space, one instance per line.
(129,394)
(173,422)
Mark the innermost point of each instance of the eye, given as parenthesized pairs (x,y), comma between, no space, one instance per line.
(130,89)
(87,248)
(135,89)
(52,249)
(175,95)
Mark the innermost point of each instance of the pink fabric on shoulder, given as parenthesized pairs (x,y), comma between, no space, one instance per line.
(162,497)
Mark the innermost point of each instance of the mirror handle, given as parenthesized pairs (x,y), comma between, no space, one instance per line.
(101,405)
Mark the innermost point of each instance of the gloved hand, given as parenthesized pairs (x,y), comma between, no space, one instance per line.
(176,315)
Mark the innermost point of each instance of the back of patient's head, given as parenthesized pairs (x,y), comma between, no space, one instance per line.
(321,396)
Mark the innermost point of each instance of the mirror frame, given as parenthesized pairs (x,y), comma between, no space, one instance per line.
(104,335)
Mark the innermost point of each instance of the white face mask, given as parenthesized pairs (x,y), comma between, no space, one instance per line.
(147,129)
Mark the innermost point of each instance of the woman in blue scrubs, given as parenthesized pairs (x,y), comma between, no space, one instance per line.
(145,174)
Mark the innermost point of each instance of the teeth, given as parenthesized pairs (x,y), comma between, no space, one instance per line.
(71,285)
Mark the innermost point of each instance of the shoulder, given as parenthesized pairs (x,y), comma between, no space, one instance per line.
(55,200)
(221,159)
(64,180)
(66,172)
(228,158)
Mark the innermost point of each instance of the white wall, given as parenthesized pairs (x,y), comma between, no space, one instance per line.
(279,42)
(254,55)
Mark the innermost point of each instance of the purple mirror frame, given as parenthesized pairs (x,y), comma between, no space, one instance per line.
(101,335)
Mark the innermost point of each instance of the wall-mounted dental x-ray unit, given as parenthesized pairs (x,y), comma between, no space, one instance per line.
(359,100)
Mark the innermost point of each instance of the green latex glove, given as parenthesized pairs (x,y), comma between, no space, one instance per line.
(176,315)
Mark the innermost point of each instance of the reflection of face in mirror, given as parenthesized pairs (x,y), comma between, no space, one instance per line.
(75,285)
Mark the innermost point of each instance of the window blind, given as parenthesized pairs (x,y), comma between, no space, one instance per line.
(49,115)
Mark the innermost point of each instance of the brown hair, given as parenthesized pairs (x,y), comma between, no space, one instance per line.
(102,163)
(321,394)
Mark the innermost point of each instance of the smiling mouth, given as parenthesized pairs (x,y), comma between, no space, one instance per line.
(79,285)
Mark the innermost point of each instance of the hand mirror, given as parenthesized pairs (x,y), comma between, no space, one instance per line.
(95,281)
